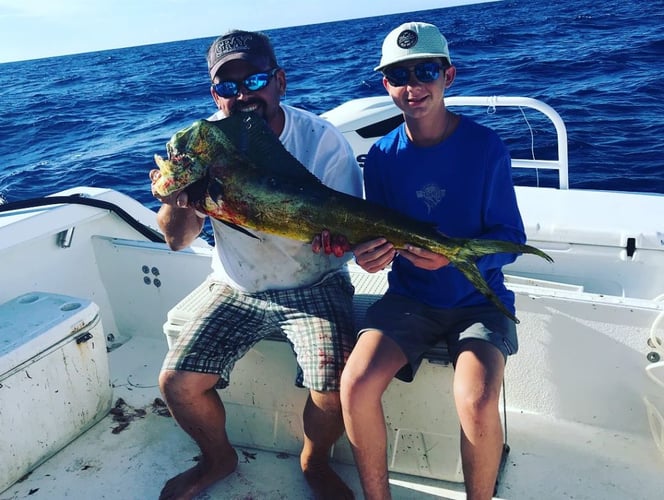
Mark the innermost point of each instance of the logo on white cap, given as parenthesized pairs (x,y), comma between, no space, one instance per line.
(407,39)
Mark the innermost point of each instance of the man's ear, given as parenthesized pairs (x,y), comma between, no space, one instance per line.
(281,81)
(215,97)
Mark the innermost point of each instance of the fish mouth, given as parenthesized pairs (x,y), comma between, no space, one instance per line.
(183,166)
(173,176)
(167,184)
(161,162)
(197,191)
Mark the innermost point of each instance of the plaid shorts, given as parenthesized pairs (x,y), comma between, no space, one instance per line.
(317,321)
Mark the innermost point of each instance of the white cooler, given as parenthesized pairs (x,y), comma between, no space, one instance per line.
(54,378)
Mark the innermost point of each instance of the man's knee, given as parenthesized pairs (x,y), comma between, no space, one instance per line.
(167,379)
(326,400)
(175,384)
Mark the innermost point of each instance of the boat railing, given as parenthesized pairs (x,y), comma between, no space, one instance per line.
(366,119)
(492,102)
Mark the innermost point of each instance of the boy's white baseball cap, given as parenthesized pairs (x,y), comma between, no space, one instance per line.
(414,40)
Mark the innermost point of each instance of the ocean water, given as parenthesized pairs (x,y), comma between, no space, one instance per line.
(98,118)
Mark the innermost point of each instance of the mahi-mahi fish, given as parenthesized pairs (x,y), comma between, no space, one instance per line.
(236,170)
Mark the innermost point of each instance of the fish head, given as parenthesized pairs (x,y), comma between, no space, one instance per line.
(191,153)
(210,151)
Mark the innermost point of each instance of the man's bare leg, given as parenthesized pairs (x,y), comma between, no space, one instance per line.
(368,372)
(323,425)
(196,406)
(477,382)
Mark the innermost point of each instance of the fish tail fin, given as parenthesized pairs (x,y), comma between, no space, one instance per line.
(471,250)
(471,271)
(535,251)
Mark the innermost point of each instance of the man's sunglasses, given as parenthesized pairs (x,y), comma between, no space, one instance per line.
(425,72)
(253,83)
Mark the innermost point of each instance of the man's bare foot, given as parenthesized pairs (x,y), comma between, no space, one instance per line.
(191,482)
(325,483)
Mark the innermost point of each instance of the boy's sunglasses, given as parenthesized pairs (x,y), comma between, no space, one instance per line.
(253,83)
(425,72)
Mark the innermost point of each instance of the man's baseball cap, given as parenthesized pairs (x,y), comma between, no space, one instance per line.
(413,40)
(253,47)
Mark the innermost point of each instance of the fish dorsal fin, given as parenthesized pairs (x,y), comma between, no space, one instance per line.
(254,139)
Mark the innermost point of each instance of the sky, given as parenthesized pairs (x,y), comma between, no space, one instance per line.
(32,29)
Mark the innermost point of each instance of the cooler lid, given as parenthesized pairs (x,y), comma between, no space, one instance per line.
(589,217)
(33,322)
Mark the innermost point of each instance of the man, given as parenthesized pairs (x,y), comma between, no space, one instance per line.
(444,168)
(251,276)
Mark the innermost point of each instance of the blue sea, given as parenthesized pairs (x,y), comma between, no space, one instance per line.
(98,118)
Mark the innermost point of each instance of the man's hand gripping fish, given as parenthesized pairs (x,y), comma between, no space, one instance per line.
(237,171)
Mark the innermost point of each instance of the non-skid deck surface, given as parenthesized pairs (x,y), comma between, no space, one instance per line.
(549,459)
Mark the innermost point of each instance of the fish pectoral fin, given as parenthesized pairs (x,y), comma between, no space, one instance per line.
(472,273)
(238,228)
(215,191)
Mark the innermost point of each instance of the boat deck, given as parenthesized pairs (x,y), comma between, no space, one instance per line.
(135,449)
(587,329)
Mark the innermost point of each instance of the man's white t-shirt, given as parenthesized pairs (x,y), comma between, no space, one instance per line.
(272,262)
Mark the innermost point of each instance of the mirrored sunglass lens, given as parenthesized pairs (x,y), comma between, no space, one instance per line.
(226,89)
(427,72)
(397,76)
(252,83)
(256,82)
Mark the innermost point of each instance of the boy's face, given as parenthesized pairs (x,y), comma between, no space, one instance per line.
(418,86)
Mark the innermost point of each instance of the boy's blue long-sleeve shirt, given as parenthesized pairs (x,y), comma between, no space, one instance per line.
(464,187)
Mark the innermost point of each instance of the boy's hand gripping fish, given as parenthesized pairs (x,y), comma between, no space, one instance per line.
(237,171)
